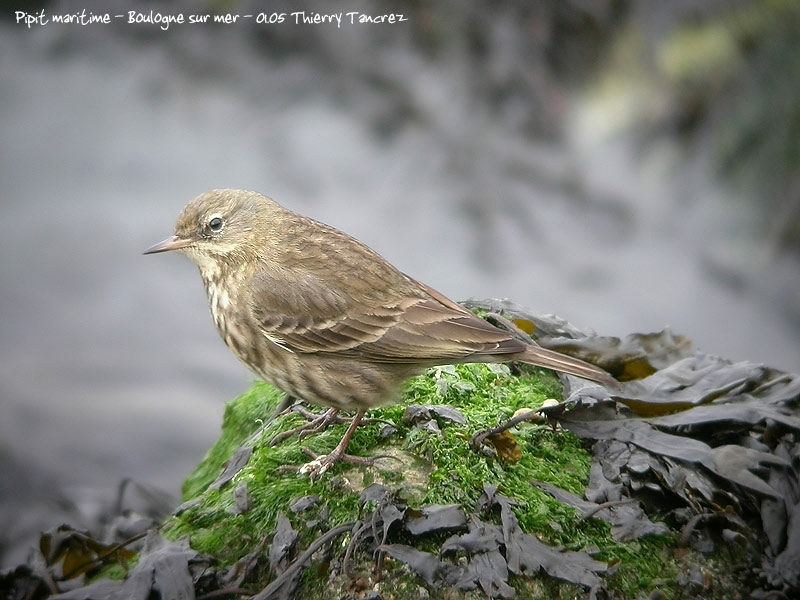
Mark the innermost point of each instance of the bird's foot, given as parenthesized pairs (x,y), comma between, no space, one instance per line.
(316,424)
(323,462)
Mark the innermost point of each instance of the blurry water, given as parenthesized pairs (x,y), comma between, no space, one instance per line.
(109,363)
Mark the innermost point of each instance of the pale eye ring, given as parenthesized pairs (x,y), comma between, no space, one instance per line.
(215,224)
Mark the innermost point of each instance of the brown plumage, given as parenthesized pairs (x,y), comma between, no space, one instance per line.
(323,317)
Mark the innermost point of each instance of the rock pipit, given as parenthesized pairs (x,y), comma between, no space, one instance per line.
(323,317)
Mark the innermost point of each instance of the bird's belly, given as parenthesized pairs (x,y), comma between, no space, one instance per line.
(326,380)
(340,382)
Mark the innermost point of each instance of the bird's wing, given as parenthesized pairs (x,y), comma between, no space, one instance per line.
(310,315)
(432,331)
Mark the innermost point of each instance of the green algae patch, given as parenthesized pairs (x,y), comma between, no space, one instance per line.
(243,416)
(422,463)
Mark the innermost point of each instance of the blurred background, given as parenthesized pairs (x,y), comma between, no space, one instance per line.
(624,164)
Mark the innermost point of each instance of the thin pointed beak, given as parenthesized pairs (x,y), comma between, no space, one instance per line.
(171,243)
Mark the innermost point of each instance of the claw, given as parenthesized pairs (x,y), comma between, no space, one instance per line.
(316,424)
(323,462)
(316,467)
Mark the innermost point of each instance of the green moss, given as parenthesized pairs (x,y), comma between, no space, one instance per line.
(429,467)
(243,416)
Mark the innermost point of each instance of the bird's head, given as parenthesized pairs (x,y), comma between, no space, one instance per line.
(219,227)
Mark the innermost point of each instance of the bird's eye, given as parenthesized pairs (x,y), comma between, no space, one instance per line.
(215,224)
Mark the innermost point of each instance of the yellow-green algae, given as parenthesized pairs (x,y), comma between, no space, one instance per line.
(450,472)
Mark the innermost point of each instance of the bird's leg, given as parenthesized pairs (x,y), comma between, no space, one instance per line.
(318,425)
(330,416)
(315,424)
(310,415)
(323,462)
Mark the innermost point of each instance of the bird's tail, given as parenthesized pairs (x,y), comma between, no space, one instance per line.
(542,357)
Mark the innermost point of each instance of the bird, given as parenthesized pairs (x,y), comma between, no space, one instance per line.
(326,319)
